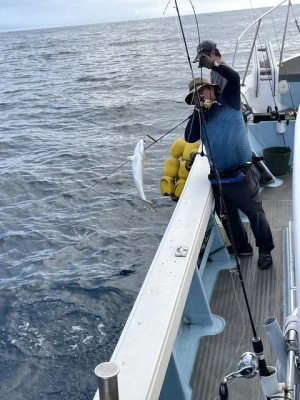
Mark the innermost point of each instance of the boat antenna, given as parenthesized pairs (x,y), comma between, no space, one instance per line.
(256,341)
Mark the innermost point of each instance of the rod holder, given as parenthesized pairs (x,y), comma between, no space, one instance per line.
(279,345)
(107,374)
(270,385)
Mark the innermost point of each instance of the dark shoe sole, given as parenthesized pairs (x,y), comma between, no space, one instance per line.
(245,254)
(264,182)
(265,268)
(240,253)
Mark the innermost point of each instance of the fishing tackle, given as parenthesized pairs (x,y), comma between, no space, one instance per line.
(256,341)
(127,161)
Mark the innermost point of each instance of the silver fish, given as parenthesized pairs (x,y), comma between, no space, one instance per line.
(138,160)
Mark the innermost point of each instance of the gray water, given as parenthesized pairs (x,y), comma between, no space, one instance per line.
(75,247)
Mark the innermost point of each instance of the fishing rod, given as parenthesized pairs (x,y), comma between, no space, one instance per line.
(171,130)
(165,134)
(184,40)
(153,142)
(256,341)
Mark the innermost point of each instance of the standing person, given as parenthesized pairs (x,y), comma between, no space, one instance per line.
(209,48)
(218,122)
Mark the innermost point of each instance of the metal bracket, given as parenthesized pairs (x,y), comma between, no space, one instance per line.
(181,251)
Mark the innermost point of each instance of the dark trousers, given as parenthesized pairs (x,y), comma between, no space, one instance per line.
(245,196)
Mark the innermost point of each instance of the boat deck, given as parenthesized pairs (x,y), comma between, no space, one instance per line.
(219,355)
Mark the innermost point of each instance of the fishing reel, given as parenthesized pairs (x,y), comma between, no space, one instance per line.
(248,368)
(201,100)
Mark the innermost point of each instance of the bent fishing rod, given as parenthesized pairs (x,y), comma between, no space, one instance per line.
(256,341)
(171,130)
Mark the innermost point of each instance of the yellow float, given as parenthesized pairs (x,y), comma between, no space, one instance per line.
(177,167)
(177,147)
(171,167)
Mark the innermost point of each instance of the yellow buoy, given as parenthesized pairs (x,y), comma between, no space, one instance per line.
(183,172)
(171,167)
(177,147)
(179,185)
(188,149)
(167,185)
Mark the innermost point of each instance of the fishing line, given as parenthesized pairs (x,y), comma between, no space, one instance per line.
(256,341)
(154,141)
(290,5)
(181,35)
(179,123)
(265,60)
(296,21)
(166,7)
(165,134)
(224,217)
(269,73)
(241,337)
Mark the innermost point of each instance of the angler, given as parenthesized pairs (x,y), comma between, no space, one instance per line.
(224,136)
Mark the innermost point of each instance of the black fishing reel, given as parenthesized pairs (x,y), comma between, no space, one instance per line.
(201,100)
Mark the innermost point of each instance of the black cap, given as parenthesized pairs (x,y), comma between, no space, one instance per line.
(205,47)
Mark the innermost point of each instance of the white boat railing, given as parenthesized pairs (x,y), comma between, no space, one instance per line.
(296,208)
(257,23)
(172,309)
(292,372)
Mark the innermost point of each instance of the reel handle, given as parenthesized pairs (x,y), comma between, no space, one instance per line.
(223,391)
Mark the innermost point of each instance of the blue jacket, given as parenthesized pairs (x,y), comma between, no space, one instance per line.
(222,128)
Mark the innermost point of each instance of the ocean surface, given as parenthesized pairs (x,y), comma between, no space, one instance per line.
(75,240)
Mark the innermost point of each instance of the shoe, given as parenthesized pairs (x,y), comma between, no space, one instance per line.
(245,250)
(265,260)
(266,179)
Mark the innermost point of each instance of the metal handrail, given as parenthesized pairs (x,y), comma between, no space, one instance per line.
(257,21)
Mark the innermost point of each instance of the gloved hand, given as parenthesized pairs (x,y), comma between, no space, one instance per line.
(206,62)
(190,162)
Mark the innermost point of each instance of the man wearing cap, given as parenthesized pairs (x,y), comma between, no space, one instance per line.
(218,122)
(209,48)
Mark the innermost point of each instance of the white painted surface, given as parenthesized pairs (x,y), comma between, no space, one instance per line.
(296,206)
(146,343)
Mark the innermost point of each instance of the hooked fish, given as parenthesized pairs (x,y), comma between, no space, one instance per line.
(138,160)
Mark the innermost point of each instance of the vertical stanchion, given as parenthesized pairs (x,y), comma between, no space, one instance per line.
(107,374)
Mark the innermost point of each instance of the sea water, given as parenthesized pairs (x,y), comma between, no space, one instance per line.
(76,241)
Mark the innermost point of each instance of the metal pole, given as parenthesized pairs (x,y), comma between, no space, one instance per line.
(108,380)
(290,374)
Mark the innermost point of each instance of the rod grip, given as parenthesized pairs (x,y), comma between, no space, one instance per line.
(259,351)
